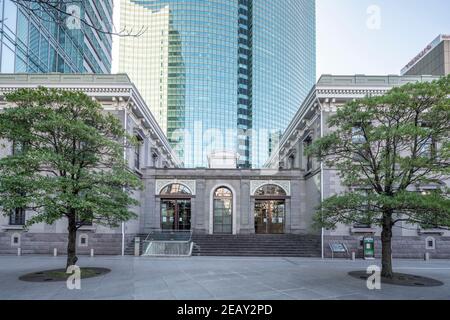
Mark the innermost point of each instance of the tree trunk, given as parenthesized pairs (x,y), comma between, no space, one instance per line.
(386,244)
(72,242)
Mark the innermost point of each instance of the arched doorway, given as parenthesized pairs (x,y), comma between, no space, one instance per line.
(270,209)
(223,211)
(176,207)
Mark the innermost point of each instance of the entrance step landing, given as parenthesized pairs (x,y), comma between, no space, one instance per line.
(283,245)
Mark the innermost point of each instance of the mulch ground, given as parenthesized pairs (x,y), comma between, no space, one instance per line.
(61,275)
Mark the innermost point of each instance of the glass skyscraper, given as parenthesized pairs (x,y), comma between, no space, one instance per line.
(41,40)
(221,74)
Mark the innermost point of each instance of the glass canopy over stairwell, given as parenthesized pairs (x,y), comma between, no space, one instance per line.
(168,244)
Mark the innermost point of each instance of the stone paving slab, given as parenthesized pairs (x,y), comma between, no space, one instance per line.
(218,278)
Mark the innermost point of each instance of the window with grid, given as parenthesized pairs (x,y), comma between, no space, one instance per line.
(17,217)
(309,159)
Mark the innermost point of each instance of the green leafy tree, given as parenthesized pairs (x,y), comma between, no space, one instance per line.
(387,149)
(67,162)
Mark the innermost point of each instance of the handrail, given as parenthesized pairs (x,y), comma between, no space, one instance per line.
(169,243)
(152,236)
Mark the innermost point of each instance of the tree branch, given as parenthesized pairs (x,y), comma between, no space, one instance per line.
(55,10)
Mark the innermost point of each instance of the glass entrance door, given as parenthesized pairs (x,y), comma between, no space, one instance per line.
(176,214)
(223,211)
(223,216)
(270,216)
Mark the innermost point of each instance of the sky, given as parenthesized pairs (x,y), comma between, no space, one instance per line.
(368,36)
(376,37)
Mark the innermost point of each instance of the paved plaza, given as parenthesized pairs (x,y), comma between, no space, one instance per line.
(211,278)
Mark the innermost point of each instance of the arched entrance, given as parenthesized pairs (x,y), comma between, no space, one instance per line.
(223,211)
(176,207)
(270,209)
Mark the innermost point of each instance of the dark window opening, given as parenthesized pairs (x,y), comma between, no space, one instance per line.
(17,217)
(155,159)
(175,189)
(137,156)
(359,142)
(365,220)
(291,161)
(428,148)
(81,222)
(309,158)
(358,136)
(18,147)
(362,226)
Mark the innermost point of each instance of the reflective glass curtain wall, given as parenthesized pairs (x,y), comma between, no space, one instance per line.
(284,68)
(39,43)
(198,79)
(235,72)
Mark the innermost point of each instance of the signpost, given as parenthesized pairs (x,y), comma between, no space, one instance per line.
(338,248)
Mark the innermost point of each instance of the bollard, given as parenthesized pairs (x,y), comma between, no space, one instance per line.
(137,247)
(92,253)
(55,252)
(427,256)
(19,252)
(353,255)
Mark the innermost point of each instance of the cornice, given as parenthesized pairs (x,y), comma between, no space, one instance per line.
(96,89)
(350,91)
(125,91)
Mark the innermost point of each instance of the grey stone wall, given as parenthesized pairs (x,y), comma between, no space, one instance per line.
(311,203)
(239,182)
(44,243)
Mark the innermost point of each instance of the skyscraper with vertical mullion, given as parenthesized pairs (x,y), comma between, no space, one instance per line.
(40,40)
(235,72)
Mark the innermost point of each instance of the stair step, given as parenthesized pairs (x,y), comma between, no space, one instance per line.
(257,245)
(284,245)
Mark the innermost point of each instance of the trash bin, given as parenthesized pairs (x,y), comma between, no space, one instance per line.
(369,248)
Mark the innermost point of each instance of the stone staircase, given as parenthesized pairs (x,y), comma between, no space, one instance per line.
(129,246)
(166,236)
(285,245)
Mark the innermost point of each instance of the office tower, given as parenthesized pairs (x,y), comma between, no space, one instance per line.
(40,40)
(221,74)
(433,60)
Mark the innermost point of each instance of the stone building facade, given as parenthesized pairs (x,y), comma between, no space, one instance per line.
(205,201)
(321,182)
(278,199)
(119,96)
